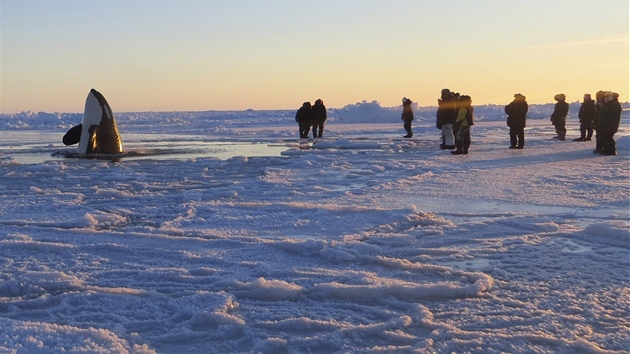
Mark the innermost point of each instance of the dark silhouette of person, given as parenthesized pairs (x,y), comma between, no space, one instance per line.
(517,120)
(608,123)
(586,115)
(462,125)
(445,118)
(319,117)
(304,120)
(407,116)
(559,115)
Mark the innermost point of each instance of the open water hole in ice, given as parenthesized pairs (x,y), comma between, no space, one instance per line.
(33,147)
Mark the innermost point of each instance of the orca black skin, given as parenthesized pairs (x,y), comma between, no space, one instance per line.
(98,132)
(73,136)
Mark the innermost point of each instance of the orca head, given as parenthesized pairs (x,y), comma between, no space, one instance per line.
(99,132)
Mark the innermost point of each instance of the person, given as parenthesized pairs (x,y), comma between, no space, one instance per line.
(559,115)
(303,118)
(445,118)
(516,120)
(586,116)
(609,123)
(600,100)
(319,117)
(462,125)
(407,116)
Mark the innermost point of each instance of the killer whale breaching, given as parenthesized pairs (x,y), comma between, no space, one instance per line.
(98,133)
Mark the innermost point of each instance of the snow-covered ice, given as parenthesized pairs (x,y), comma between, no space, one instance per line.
(223,233)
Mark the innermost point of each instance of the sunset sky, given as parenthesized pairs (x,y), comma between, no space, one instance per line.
(191,55)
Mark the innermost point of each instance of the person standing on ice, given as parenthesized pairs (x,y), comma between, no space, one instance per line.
(462,125)
(303,118)
(319,117)
(586,115)
(559,115)
(609,123)
(516,119)
(600,100)
(445,118)
(407,117)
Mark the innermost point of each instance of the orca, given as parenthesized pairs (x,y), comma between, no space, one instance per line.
(98,132)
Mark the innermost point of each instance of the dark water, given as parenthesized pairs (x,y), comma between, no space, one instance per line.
(33,147)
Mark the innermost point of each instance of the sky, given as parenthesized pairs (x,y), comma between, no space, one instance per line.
(192,55)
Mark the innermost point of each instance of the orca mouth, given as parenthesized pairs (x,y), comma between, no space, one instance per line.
(92,142)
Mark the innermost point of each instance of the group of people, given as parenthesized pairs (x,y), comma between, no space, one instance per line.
(311,116)
(455,117)
(601,115)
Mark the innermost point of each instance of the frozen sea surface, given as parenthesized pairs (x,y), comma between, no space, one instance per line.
(232,236)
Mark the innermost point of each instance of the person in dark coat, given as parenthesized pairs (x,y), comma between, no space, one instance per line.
(586,115)
(559,115)
(319,117)
(445,118)
(407,116)
(609,123)
(600,100)
(462,125)
(303,117)
(516,120)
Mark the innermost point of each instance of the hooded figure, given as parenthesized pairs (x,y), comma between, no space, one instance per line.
(304,119)
(407,116)
(609,123)
(516,120)
(587,116)
(319,117)
(462,125)
(559,115)
(445,118)
(600,100)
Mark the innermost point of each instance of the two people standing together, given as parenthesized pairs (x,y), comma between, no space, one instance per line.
(311,116)
(454,118)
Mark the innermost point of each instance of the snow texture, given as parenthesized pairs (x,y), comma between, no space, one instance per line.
(220,232)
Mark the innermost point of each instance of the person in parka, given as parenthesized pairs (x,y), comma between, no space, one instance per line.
(462,125)
(407,117)
(304,120)
(609,123)
(445,118)
(559,115)
(319,117)
(586,116)
(600,100)
(516,119)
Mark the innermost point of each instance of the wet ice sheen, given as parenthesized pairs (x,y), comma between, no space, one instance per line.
(33,147)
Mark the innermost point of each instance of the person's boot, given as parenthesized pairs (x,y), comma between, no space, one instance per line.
(561,136)
(466,146)
(459,150)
